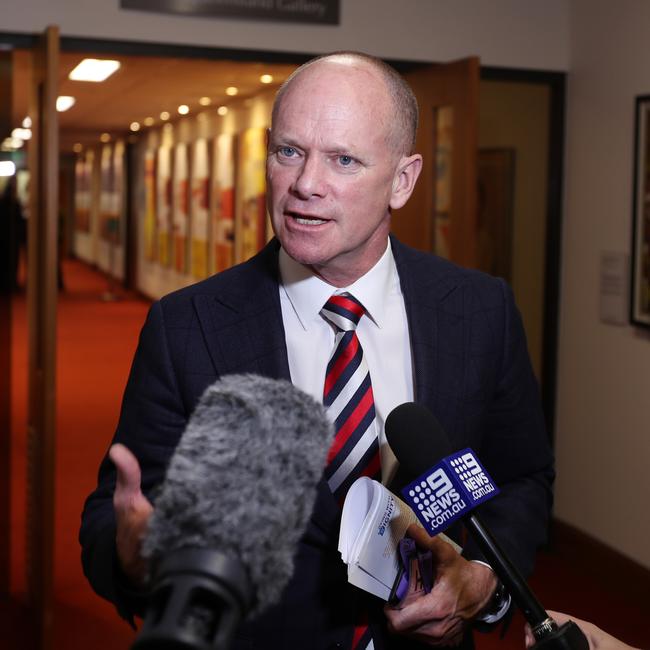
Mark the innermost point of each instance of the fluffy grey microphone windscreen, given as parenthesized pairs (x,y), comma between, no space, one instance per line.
(243,479)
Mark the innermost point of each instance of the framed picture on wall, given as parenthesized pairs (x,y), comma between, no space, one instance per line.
(496,195)
(640,285)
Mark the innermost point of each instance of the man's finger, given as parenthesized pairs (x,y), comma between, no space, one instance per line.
(440,549)
(128,470)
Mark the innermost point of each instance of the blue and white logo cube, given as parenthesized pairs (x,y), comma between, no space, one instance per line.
(449,490)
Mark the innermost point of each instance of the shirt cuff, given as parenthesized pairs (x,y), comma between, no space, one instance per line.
(496,609)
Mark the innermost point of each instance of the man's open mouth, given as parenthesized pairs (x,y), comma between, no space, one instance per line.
(306,219)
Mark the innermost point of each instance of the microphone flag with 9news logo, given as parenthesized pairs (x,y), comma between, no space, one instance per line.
(449,490)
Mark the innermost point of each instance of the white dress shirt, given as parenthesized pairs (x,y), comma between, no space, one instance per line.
(382,331)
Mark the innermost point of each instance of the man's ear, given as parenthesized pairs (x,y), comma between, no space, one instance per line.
(406,175)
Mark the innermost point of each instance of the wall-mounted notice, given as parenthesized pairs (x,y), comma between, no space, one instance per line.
(199,209)
(614,297)
(321,12)
(223,202)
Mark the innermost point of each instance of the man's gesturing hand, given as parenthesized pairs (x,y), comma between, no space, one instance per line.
(461,590)
(132,512)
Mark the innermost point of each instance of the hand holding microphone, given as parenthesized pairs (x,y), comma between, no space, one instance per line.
(461,590)
(597,638)
(132,513)
(448,488)
(226,522)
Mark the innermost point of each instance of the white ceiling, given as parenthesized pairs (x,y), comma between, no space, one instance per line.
(143,86)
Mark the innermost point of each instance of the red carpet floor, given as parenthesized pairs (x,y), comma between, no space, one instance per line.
(96,341)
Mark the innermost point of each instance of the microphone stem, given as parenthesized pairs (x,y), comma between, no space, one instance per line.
(509,575)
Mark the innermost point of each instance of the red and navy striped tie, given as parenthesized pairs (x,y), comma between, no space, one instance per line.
(348,399)
(350,404)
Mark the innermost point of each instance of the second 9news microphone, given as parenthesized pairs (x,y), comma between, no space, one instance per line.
(446,487)
(238,494)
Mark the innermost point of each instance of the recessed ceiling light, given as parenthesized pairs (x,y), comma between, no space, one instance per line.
(222,110)
(232,91)
(164,116)
(148,121)
(7,168)
(105,137)
(183,109)
(94,70)
(266,78)
(21,134)
(64,102)
(205,101)
(134,126)
(11,144)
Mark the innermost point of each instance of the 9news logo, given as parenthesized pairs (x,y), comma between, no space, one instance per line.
(452,488)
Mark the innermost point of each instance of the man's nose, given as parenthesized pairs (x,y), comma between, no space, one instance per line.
(310,179)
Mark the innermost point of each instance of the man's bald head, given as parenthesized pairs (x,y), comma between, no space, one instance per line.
(403,127)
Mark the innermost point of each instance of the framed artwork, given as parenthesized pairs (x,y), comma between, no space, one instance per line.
(640,283)
(150,232)
(496,176)
(223,202)
(107,215)
(83,190)
(181,207)
(199,208)
(251,225)
(164,204)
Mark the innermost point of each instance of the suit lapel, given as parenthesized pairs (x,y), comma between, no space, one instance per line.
(242,321)
(436,332)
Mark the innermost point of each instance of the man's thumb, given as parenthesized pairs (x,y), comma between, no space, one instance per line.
(128,471)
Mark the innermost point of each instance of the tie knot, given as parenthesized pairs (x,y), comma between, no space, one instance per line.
(343,311)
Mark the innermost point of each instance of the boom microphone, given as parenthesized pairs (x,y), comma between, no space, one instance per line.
(237,497)
(447,487)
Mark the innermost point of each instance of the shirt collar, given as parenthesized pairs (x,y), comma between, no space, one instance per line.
(307,293)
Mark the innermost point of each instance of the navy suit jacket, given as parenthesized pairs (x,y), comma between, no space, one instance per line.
(472,370)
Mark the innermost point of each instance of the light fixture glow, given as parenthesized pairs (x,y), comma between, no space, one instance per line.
(27,123)
(232,91)
(183,109)
(164,116)
(64,103)
(11,144)
(105,137)
(222,110)
(148,121)
(7,168)
(77,147)
(21,134)
(205,101)
(134,126)
(266,78)
(95,70)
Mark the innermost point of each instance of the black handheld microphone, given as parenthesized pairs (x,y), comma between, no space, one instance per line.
(419,442)
(237,497)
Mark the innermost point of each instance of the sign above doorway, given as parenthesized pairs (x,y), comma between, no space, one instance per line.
(324,12)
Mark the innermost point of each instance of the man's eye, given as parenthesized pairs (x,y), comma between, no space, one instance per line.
(346,161)
(287,152)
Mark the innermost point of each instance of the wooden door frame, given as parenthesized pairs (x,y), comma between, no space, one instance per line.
(556,83)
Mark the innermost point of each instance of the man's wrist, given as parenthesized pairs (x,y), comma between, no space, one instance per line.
(498,604)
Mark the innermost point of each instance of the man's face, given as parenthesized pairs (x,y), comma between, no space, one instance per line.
(331,168)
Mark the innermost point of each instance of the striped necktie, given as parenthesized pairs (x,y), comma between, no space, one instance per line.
(348,398)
